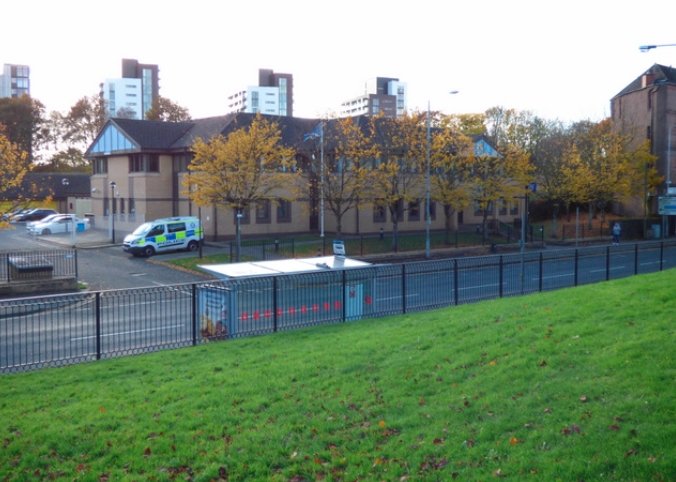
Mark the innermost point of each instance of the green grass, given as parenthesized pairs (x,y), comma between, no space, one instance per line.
(570,385)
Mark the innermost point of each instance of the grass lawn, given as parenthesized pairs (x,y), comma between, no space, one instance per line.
(570,385)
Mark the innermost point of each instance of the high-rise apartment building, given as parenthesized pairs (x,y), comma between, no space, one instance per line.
(133,95)
(382,95)
(15,80)
(272,96)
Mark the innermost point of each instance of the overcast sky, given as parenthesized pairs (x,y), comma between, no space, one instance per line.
(558,59)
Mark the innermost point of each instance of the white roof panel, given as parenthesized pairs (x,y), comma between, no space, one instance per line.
(282,266)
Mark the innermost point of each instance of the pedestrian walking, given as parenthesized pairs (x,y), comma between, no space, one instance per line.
(617,230)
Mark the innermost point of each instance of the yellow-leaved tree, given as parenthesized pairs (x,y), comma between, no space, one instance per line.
(451,161)
(597,167)
(349,148)
(499,179)
(398,180)
(13,168)
(247,167)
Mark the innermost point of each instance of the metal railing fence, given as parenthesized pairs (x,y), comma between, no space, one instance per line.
(35,265)
(71,328)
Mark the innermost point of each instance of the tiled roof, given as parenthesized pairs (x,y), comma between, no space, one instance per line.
(154,134)
(661,73)
(59,185)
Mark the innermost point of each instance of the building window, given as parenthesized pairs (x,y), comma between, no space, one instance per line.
(263,211)
(480,212)
(100,165)
(414,210)
(283,211)
(122,205)
(400,210)
(245,219)
(379,213)
(503,208)
(181,162)
(514,208)
(433,210)
(144,163)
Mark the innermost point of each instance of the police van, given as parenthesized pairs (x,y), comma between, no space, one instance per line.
(165,234)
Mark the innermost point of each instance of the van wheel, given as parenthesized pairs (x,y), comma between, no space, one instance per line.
(148,251)
(46,232)
(193,245)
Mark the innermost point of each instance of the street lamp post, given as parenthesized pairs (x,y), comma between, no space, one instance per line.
(113,185)
(238,237)
(428,188)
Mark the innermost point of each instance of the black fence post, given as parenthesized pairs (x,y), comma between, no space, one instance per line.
(541,268)
(344,296)
(75,258)
(403,288)
(607,263)
(635,258)
(274,304)
(576,263)
(661,255)
(455,281)
(193,291)
(98,325)
(8,267)
(500,276)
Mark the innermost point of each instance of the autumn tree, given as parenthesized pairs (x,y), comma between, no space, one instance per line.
(597,166)
(23,118)
(13,168)
(165,110)
(349,147)
(451,161)
(247,167)
(83,122)
(499,179)
(398,178)
(69,159)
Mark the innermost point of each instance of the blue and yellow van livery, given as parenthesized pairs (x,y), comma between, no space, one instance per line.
(184,232)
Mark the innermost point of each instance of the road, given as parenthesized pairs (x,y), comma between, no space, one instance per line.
(107,267)
(161,314)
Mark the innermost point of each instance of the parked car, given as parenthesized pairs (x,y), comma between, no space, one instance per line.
(61,223)
(33,215)
(9,216)
(30,224)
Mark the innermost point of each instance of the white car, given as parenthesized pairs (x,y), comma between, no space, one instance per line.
(30,224)
(59,223)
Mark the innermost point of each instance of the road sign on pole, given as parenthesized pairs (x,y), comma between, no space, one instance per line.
(667,205)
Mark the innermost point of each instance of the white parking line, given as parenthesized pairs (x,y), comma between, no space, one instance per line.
(127,332)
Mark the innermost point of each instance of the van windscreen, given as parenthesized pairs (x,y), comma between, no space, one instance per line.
(142,229)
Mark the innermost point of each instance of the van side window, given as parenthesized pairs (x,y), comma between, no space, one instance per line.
(176,227)
(159,229)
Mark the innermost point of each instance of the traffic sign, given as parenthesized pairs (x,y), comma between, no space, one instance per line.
(667,205)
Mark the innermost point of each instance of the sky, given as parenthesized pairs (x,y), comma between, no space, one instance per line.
(560,60)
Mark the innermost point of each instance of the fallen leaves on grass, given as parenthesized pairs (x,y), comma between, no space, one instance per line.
(571,429)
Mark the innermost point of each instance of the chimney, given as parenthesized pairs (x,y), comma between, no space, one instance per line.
(647,79)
